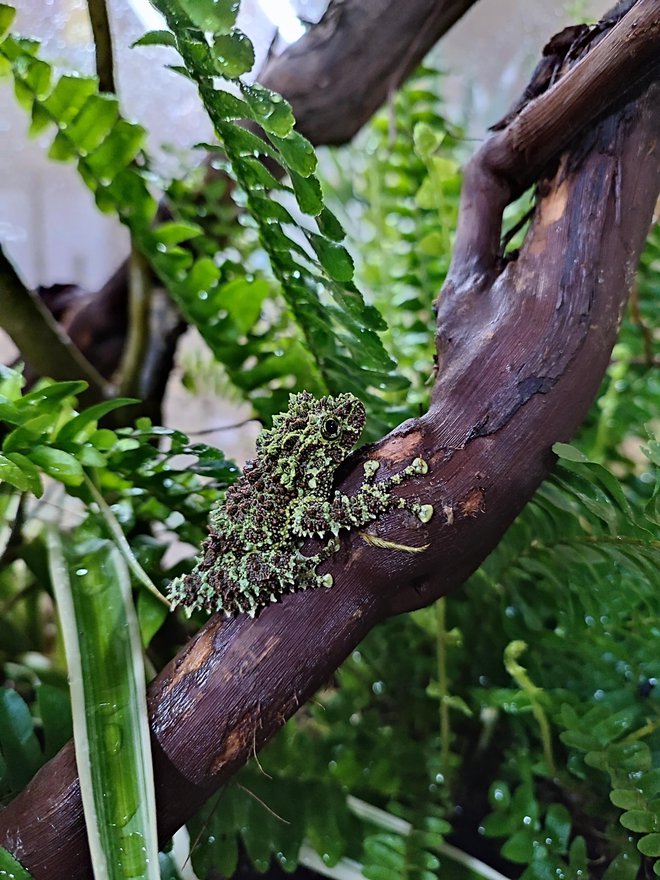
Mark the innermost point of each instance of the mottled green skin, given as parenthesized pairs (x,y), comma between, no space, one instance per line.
(252,555)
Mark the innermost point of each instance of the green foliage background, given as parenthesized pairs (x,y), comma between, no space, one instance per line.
(520,719)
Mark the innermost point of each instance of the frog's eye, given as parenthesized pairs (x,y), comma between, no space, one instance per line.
(330,428)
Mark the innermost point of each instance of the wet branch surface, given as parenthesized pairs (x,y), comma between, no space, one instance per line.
(522,346)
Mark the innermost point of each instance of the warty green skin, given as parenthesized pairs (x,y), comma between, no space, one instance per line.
(252,555)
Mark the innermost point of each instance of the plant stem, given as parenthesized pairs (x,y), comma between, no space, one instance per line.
(122,544)
(443,685)
(521,677)
(98,17)
(137,342)
(388,822)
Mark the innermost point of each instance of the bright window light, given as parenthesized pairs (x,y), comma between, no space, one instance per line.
(282,15)
(150,17)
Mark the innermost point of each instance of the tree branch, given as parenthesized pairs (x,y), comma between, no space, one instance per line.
(105,69)
(356,56)
(40,339)
(510,160)
(523,353)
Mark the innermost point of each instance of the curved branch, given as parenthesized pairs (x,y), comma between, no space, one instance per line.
(522,357)
(42,342)
(347,65)
(511,159)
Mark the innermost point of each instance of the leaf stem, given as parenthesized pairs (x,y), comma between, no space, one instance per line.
(443,684)
(521,677)
(122,544)
(98,17)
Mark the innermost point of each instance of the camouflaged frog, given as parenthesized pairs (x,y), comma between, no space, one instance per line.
(252,555)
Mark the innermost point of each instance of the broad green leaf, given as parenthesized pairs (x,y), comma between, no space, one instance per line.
(233,54)
(640,821)
(151,616)
(18,742)
(623,867)
(334,257)
(217,16)
(9,866)
(29,470)
(172,233)
(627,798)
(58,464)
(110,719)
(442,169)
(297,152)
(426,139)
(270,110)
(68,96)
(519,847)
(7,14)
(156,38)
(650,845)
(11,383)
(54,392)
(432,244)
(215,829)
(330,226)
(76,428)
(62,149)
(322,825)
(24,94)
(558,826)
(308,193)
(55,711)
(427,196)
(650,783)
(30,431)
(568,452)
(117,150)
(93,122)
(243,300)
(41,120)
(11,473)
(37,76)
(227,106)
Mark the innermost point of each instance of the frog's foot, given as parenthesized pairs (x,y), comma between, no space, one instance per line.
(423,512)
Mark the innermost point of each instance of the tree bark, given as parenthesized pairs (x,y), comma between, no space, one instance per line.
(346,67)
(522,346)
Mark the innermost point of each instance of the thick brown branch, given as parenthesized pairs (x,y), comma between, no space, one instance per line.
(512,159)
(40,339)
(522,360)
(344,68)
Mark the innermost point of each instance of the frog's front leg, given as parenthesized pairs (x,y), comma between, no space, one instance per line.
(374,498)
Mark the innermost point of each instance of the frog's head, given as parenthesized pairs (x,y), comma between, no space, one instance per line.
(336,424)
(313,436)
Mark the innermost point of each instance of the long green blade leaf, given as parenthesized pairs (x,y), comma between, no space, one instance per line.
(109,707)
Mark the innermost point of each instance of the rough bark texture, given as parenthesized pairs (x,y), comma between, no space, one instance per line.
(344,68)
(522,348)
